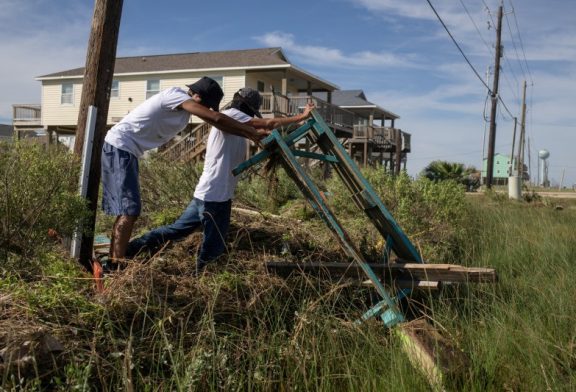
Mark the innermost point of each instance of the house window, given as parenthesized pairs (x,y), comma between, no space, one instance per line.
(67,96)
(219,80)
(115,90)
(260,86)
(152,87)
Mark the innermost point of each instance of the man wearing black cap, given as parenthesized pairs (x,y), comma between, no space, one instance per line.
(211,206)
(148,126)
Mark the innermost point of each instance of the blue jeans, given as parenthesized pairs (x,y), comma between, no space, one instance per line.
(214,217)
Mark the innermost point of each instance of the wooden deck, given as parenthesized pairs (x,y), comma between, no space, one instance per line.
(341,121)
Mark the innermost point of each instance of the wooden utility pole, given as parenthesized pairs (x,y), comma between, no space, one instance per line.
(494,95)
(98,75)
(398,156)
(522,140)
(512,168)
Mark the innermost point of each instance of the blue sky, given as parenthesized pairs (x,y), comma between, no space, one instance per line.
(396,51)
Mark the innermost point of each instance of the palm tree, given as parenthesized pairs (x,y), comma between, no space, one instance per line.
(443,170)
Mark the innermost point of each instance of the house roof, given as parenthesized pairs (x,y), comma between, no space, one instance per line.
(356,99)
(350,98)
(187,61)
(253,59)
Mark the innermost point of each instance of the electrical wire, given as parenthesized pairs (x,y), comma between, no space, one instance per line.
(521,42)
(476,26)
(457,45)
(514,45)
(490,51)
(505,57)
(468,61)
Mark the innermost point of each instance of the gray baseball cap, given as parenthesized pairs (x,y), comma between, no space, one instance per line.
(252,99)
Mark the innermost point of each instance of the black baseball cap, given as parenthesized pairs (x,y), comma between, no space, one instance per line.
(209,90)
(251,98)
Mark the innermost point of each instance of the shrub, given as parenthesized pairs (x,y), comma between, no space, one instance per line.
(267,192)
(432,214)
(166,189)
(38,192)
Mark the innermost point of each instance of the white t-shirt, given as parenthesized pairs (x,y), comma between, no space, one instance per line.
(152,123)
(224,152)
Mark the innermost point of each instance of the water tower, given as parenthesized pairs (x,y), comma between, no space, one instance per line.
(544,155)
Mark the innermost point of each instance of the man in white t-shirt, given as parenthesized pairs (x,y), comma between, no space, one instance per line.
(151,124)
(211,206)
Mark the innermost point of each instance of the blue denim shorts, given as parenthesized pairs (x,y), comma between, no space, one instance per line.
(120,186)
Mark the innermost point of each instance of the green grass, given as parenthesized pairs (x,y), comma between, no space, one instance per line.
(238,329)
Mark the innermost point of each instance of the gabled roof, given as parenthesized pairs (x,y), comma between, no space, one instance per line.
(250,58)
(356,99)
(350,98)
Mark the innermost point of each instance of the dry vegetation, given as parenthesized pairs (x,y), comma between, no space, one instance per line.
(158,327)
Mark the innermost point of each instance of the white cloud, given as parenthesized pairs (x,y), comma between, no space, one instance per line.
(38,37)
(332,57)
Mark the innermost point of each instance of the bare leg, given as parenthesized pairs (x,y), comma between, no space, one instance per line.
(121,232)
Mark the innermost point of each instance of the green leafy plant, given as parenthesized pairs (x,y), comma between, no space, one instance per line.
(443,170)
(38,197)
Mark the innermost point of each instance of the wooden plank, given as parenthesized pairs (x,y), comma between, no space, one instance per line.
(436,355)
(421,285)
(393,271)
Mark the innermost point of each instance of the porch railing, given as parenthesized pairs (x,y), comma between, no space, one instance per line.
(276,104)
(26,114)
(193,145)
(380,135)
(332,114)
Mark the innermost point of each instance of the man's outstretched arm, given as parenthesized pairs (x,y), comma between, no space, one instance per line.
(272,123)
(223,122)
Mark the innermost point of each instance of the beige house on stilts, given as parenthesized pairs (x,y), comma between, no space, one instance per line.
(284,87)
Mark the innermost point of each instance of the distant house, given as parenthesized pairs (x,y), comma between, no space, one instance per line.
(375,136)
(501,171)
(284,86)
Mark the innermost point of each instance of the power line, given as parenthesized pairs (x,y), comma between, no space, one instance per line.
(476,26)
(521,42)
(458,46)
(490,49)
(458,154)
(510,83)
(466,58)
(489,13)
(514,45)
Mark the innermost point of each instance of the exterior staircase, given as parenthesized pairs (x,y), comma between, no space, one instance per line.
(192,146)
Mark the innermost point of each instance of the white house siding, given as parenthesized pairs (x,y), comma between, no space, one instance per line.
(55,113)
(134,86)
(253,78)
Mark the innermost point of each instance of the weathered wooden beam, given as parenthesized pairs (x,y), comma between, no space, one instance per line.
(421,285)
(435,355)
(393,271)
